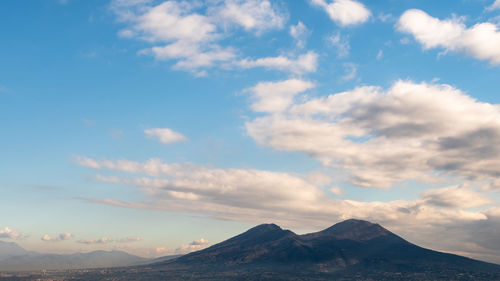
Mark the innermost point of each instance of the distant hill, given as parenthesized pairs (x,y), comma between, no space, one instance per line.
(15,258)
(10,249)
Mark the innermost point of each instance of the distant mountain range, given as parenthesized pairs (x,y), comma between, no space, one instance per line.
(349,250)
(15,258)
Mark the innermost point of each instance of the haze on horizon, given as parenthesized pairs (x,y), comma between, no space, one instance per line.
(162,127)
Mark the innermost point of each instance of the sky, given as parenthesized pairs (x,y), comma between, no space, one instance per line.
(162,127)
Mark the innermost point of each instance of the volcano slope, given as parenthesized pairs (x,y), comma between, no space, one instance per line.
(349,249)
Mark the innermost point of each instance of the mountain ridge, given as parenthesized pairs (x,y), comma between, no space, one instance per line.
(348,246)
(15,258)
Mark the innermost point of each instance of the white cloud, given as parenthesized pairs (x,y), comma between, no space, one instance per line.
(385,17)
(304,63)
(277,96)
(257,194)
(350,71)
(252,15)
(46,237)
(165,135)
(190,32)
(196,245)
(172,21)
(494,6)
(342,45)
(102,240)
(380,54)
(384,137)
(61,237)
(231,187)
(336,190)
(481,41)
(345,12)
(7,232)
(319,179)
(65,236)
(300,33)
(179,32)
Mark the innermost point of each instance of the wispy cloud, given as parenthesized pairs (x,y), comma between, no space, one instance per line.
(102,240)
(341,44)
(299,32)
(302,64)
(61,237)
(494,6)
(350,71)
(107,240)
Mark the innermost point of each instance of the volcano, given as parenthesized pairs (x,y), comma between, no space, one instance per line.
(349,249)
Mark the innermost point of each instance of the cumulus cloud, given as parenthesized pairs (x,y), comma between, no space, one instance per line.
(481,41)
(196,245)
(345,12)
(304,63)
(252,15)
(384,137)
(185,35)
(7,232)
(277,96)
(189,32)
(299,32)
(61,237)
(165,135)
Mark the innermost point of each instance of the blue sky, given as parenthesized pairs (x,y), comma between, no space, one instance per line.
(155,124)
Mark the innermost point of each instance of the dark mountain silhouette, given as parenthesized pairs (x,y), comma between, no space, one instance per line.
(348,247)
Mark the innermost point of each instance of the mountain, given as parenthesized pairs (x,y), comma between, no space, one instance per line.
(346,248)
(10,249)
(15,258)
